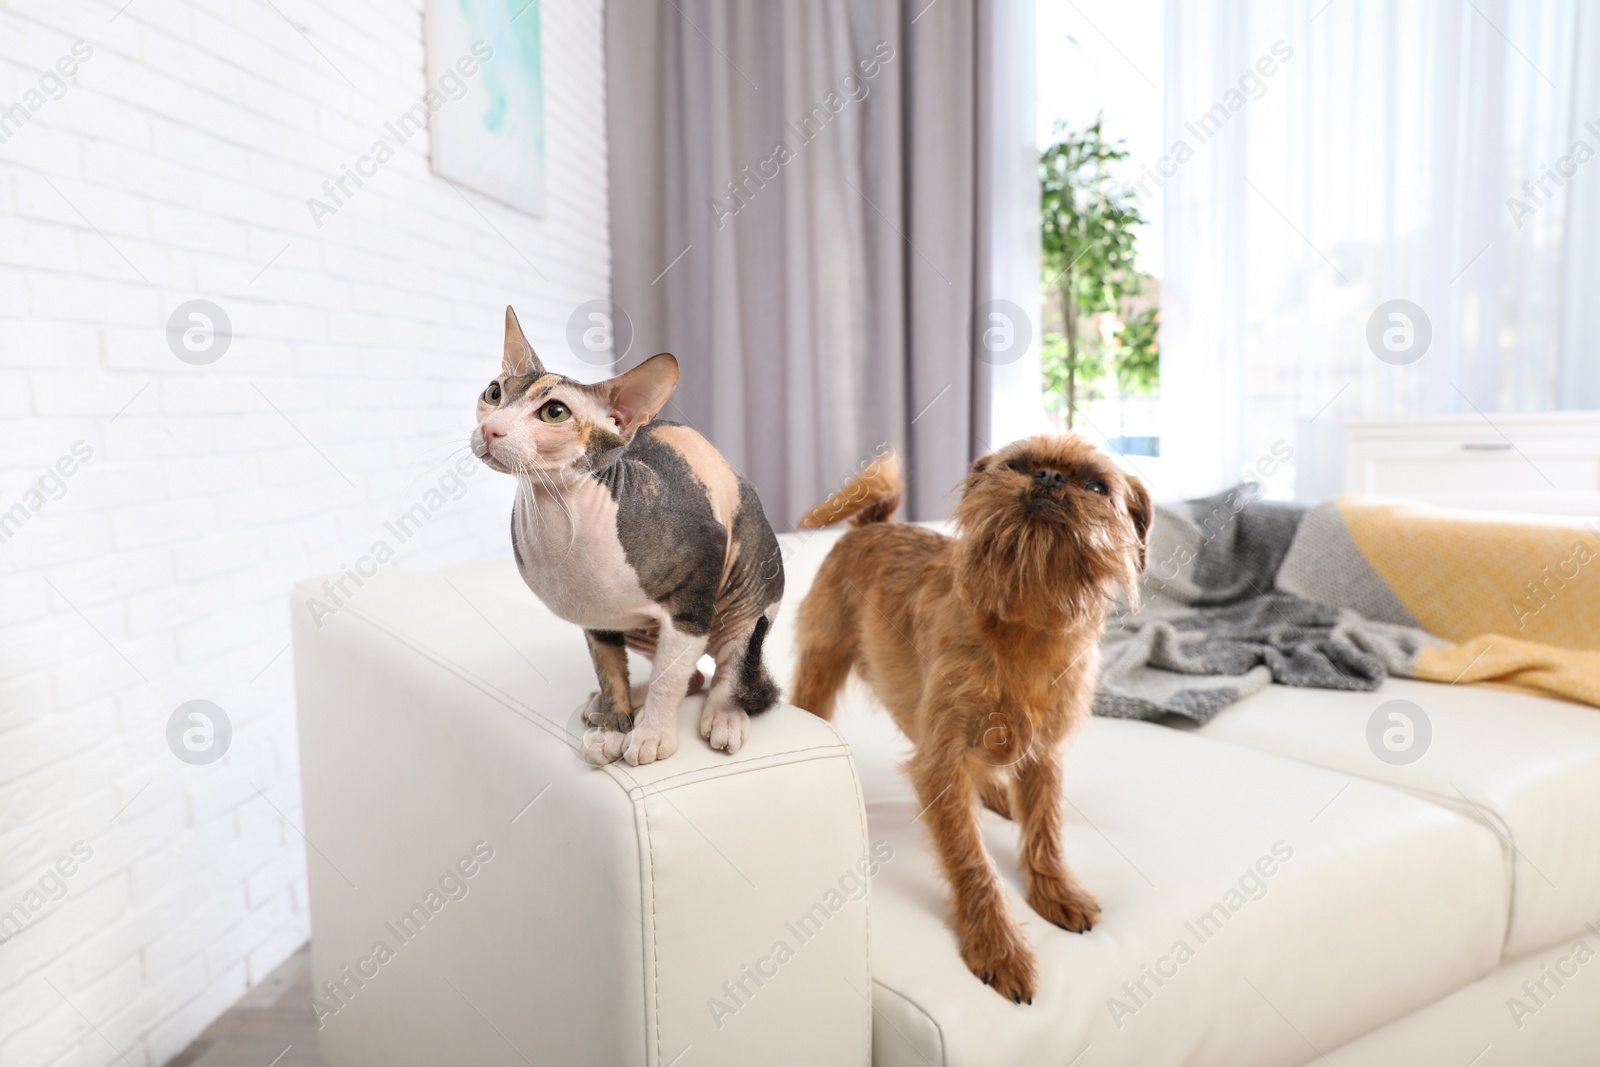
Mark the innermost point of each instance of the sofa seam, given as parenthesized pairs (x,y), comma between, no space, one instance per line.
(655,937)
(937,1029)
(482,685)
(1496,824)
(866,841)
(528,713)
(645,789)
(645,792)
(746,763)
(1490,820)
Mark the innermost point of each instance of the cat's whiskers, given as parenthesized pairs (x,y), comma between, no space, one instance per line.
(527,500)
(534,480)
(549,480)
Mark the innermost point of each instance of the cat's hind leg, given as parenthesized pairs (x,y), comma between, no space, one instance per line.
(697,683)
(740,688)
(643,641)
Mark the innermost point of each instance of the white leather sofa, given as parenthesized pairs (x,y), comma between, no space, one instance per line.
(1332,908)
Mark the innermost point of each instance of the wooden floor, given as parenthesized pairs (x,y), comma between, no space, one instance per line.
(270,1026)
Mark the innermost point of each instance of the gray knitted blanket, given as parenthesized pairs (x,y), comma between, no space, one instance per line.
(1227,608)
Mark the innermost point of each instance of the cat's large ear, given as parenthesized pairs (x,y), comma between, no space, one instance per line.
(634,398)
(520,358)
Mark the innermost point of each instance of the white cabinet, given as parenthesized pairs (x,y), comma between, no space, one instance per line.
(1513,461)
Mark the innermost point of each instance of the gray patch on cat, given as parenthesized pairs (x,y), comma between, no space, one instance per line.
(669,535)
(757,574)
(604,448)
(517,385)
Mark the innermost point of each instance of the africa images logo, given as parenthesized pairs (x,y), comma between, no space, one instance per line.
(453,885)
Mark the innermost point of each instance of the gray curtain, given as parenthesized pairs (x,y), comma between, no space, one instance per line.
(799,195)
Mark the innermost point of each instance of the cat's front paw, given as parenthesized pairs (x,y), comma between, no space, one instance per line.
(726,726)
(602,746)
(647,742)
(597,713)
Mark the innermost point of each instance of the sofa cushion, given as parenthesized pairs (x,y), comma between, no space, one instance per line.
(1538,1010)
(1384,903)
(1527,767)
(1376,904)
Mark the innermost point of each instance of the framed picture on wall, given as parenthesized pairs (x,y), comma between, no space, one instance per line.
(486,128)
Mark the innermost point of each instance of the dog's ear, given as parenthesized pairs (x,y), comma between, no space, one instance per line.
(979,466)
(1141,512)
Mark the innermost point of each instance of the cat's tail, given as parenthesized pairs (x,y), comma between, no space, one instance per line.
(871,496)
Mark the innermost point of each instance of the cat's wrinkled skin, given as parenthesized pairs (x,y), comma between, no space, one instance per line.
(641,533)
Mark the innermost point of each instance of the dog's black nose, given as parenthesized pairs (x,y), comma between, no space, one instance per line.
(1047,479)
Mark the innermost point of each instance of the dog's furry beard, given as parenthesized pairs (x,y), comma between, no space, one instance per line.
(1022,559)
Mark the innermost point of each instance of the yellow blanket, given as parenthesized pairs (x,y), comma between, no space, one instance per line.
(1519,597)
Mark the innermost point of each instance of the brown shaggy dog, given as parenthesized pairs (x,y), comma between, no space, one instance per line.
(985,649)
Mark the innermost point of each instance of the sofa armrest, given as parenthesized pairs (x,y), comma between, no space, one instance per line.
(481,895)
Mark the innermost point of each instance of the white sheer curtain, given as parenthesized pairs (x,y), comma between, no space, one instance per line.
(1341,155)
(1008,199)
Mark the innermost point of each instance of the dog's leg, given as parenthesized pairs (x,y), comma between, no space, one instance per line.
(994,789)
(991,946)
(1053,892)
(655,726)
(828,636)
(817,680)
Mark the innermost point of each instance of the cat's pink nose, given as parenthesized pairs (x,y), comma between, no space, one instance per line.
(491,431)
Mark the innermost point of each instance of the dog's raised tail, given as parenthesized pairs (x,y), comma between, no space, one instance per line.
(871,496)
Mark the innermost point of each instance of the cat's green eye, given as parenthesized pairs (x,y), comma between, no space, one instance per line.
(555,411)
(492,394)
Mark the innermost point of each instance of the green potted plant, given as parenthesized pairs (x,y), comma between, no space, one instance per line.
(1090,227)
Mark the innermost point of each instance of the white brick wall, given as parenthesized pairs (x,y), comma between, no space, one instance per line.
(177,165)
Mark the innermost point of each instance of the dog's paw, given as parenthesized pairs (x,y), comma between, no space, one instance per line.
(725,727)
(648,743)
(602,746)
(596,714)
(1004,963)
(1064,903)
